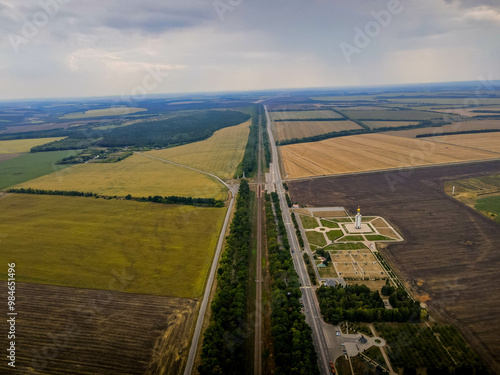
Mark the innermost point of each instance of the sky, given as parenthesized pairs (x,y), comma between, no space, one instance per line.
(80,48)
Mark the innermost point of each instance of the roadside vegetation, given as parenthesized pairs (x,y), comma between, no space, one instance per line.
(292,336)
(223,350)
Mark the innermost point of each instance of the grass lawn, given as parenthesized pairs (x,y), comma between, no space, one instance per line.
(308,222)
(376,237)
(89,243)
(334,234)
(329,224)
(346,246)
(23,145)
(220,154)
(316,238)
(137,175)
(490,206)
(353,238)
(29,166)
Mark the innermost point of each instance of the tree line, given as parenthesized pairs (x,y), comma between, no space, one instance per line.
(455,133)
(294,351)
(248,165)
(172,199)
(223,350)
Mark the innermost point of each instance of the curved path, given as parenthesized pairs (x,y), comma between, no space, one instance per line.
(233,189)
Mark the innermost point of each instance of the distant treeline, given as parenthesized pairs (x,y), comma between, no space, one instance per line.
(456,133)
(248,165)
(294,351)
(223,350)
(180,129)
(72,143)
(188,201)
(265,138)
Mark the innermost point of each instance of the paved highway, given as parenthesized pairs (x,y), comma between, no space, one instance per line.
(321,336)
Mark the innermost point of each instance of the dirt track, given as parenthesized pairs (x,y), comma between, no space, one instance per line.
(451,253)
(64,330)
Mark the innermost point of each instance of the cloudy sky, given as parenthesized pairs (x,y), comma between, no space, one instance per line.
(68,48)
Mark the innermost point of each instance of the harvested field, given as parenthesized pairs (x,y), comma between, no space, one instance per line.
(369,152)
(115,111)
(388,124)
(80,242)
(83,331)
(397,115)
(137,175)
(304,115)
(23,145)
(451,251)
(455,127)
(300,129)
(220,154)
(478,141)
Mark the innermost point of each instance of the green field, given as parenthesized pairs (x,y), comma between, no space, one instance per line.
(316,238)
(490,206)
(29,166)
(376,237)
(353,238)
(329,224)
(308,222)
(106,112)
(346,246)
(89,243)
(334,234)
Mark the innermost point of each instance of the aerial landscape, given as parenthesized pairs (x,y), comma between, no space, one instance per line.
(236,187)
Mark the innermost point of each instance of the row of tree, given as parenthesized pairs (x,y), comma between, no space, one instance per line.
(224,340)
(357,303)
(460,132)
(248,165)
(172,199)
(292,337)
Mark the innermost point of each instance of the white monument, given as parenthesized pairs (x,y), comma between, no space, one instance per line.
(357,222)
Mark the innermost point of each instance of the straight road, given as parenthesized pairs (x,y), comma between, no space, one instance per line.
(258,275)
(313,316)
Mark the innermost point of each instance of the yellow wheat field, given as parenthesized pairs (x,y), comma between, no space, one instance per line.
(23,145)
(220,154)
(482,141)
(301,129)
(369,152)
(137,175)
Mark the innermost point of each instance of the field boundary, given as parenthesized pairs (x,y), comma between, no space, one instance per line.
(392,169)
